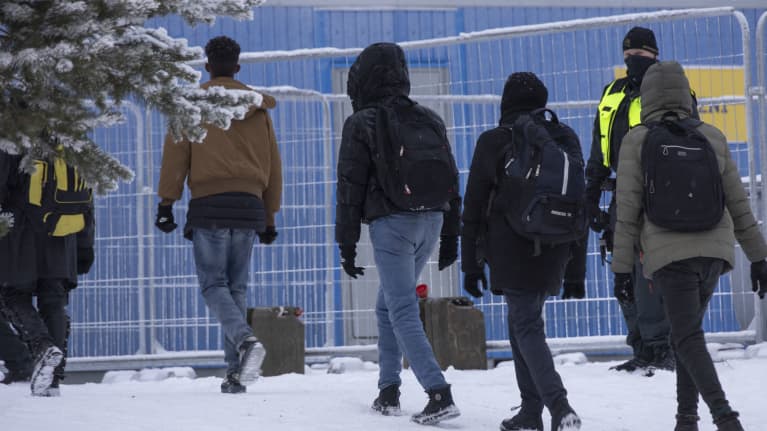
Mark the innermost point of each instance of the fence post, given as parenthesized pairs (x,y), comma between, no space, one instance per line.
(760,93)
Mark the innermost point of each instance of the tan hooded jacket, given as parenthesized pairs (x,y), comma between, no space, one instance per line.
(244,158)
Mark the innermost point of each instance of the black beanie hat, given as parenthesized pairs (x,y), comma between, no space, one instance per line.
(523,92)
(640,38)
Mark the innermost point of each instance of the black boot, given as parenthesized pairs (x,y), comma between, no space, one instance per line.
(563,417)
(663,358)
(728,422)
(387,402)
(439,408)
(686,422)
(232,385)
(523,421)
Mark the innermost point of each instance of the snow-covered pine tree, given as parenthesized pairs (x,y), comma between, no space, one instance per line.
(66,65)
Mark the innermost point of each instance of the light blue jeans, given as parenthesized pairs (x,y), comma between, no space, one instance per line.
(402,244)
(222,257)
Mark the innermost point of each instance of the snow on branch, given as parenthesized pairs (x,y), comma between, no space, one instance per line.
(67,65)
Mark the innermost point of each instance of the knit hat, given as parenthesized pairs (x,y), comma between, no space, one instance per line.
(640,38)
(523,92)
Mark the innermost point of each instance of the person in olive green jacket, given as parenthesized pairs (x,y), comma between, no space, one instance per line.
(685,266)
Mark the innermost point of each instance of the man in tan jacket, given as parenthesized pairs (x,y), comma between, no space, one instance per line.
(683,263)
(235,178)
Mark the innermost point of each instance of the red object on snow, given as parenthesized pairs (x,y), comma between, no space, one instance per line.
(422,291)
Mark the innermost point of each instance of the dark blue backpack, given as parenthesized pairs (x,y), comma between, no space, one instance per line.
(540,187)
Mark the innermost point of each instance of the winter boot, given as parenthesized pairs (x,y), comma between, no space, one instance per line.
(686,422)
(42,374)
(523,421)
(563,418)
(53,390)
(439,408)
(252,355)
(632,365)
(387,402)
(663,359)
(232,385)
(728,422)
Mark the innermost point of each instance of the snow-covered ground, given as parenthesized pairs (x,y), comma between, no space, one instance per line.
(318,400)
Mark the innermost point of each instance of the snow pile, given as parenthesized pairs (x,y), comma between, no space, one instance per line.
(570,359)
(724,351)
(757,351)
(148,375)
(343,365)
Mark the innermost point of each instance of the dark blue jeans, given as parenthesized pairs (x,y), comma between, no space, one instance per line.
(538,381)
(402,244)
(222,257)
(687,286)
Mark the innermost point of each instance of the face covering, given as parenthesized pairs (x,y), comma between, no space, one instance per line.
(636,66)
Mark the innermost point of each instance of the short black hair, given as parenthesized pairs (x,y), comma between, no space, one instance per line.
(223,55)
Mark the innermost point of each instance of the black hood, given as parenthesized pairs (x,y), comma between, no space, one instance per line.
(379,72)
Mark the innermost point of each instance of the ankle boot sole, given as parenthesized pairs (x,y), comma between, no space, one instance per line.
(571,422)
(250,370)
(42,376)
(387,411)
(449,412)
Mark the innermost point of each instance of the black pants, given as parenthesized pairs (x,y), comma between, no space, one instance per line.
(538,381)
(41,327)
(648,327)
(14,352)
(687,286)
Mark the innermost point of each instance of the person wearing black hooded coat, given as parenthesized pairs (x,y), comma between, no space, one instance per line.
(524,277)
(402,240)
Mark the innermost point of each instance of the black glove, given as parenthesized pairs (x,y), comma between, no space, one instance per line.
(85,259)
(598,220)
(624,288)
(348,253)
(759,278)
(165,221)
(268,236)
(470,280)
(573,289)
(448,250)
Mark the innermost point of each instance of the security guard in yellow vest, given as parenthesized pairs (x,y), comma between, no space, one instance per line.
(619,110)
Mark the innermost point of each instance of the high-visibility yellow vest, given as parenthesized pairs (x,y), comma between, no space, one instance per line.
(608,106)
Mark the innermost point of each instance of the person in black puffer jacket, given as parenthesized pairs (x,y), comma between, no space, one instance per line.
(524,278)
(402,238)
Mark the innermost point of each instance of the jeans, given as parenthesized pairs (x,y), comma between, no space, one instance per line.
(222,258)
(538,381)
(648,327)
(687,286)
(402,244)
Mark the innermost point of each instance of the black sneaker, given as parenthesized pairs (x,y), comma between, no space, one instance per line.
(42,374)
(387,402)
(728,422)
(439,408)
(663,359)
(523,422)
(686,422)
(632,365)
(232,385)
(563,418)
(252,355)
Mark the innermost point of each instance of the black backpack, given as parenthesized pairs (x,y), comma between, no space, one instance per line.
(682,184)
(57,198)
(540,187)
(414,163)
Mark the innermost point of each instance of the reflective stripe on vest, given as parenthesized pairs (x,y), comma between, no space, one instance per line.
(608,106)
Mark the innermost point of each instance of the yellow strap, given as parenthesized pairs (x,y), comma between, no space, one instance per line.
(36,181)
(60,168)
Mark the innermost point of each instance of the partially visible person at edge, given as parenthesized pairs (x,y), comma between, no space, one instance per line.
(619,110)
(235,179)
(685,266)
(33,262)
(402,240)
(516,272)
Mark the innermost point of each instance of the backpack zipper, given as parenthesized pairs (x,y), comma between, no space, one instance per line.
(666,147)
(566,176)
